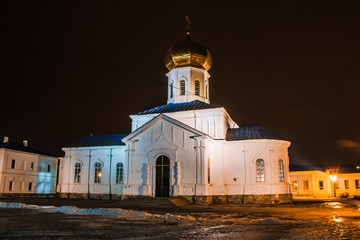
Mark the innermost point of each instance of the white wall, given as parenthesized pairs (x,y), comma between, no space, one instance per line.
(233,167)
(88,156)
(213,122)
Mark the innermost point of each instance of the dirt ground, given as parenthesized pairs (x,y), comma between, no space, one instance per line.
(162,219)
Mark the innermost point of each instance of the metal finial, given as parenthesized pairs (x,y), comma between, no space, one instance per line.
(187,25)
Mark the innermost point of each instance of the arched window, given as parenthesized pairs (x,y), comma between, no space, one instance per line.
(97,173)
(119,173)
(77,172)
(171,90)
(182,87)
(206,91)
(197,87)
(260,170)
(281,170)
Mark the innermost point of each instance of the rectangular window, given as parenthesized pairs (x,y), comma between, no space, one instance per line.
(346,183)
(336,185)
(30,186)
(294,185)
(306,184)
(49,168)
(321,185)
(13,163)
(11,185)
(32,166)
(357,184)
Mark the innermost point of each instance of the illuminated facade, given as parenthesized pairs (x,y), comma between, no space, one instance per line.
(319,184)
(186,148)
(26,171)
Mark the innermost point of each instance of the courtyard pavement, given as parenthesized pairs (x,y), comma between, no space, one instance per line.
(54,218)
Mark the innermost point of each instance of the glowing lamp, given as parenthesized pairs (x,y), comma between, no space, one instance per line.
(333,178)
(99,174)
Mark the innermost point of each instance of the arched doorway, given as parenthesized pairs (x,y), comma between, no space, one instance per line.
(162,177)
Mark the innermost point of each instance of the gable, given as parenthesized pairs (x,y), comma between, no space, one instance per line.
(162,132)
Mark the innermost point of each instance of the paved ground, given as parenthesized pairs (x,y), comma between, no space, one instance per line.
(161,219)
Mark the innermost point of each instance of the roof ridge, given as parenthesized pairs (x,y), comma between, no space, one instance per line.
(178,107)
(20,147)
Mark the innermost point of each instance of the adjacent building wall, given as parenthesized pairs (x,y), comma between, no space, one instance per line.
(308,184)
(27,173)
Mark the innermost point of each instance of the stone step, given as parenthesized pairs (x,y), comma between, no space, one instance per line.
(179,202)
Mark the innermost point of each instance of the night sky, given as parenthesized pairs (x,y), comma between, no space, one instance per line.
(74,68)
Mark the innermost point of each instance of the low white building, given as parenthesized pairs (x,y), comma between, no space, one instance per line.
(26,171)
(325,184)
(186,148)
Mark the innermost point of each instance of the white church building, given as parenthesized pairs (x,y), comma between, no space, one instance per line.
(187,148)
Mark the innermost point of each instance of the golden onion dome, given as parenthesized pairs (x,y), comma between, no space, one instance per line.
(188,53)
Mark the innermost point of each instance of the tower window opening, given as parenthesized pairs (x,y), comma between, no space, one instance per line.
(182,87)
(171,90)
(197,87)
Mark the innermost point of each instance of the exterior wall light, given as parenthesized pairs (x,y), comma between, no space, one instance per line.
(333,180)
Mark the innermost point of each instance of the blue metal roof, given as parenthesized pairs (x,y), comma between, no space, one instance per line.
(20,147)
(178,107)
(99,140)
(256,132)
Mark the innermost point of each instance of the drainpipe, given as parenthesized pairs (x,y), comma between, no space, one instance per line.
(110,195)
(89,174)
(132,162)
(69,162)
(194,119)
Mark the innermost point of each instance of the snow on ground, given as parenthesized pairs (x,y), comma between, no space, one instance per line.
(119,212)
(71,210)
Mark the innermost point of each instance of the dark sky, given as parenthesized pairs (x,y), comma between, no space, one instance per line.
(79,67)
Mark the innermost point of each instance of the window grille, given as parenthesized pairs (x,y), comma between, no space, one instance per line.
(281,170)
(77,172)
(97,173)
(182,87)
(197,87)
(260,170)
(119,173)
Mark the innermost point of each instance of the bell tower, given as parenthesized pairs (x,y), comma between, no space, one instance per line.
(188,78)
